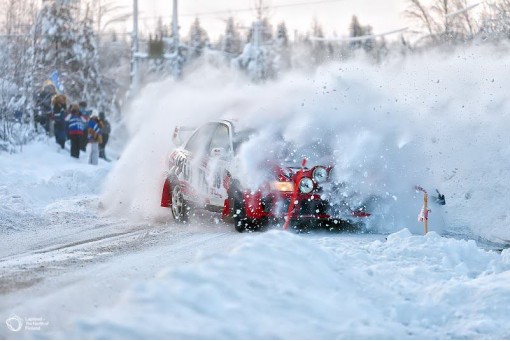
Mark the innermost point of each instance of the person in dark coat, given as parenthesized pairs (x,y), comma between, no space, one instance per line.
(43,105)
(59,113)
(77,123)
(106,129)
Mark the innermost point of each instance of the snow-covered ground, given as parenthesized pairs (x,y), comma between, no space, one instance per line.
(282,286)
(86,251)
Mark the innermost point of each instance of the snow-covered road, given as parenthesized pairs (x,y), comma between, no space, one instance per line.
(61,278)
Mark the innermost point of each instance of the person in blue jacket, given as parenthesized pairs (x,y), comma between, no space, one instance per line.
(86,113)
(77,124)
(95,138)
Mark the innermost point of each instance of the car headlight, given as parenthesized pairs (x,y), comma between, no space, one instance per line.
(306,185)
(320,174)
(283,186)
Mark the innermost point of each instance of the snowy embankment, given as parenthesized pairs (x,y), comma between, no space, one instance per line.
(42,186)
(279,285)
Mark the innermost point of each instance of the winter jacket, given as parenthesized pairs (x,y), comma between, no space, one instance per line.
(61,125)
(106,128)
(94,131)
(76,123)
(85,112)
(43,100)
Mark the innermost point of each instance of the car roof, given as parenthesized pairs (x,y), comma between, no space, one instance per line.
(237,125)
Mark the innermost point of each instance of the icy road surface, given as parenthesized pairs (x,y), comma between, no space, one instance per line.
(63,275)
(68,271)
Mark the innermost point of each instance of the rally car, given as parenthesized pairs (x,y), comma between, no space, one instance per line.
(203,173)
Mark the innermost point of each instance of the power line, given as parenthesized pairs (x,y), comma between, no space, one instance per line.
(245,9)
(360,38)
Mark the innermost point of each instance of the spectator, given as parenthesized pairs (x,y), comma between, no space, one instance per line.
(43,105)
(59,113)
(94,139)
(77,124)
(106,129)
(86,113)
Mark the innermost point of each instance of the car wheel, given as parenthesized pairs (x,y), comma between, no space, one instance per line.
(241,222)
(180,208)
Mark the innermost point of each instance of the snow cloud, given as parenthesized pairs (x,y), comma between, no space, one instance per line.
(437,120)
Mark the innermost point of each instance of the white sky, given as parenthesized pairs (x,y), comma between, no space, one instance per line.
(335,16)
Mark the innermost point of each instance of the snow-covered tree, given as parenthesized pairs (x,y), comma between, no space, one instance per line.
(55,33)
(446,21)
(282,37)
(88,77)
(231,40)
(258,56)
(368,43)
(495,20)
(67,42)
(282,49)
(319,48)
(355,30)
(265,31)
(197,40)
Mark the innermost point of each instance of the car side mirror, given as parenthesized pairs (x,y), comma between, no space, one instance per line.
(218,152)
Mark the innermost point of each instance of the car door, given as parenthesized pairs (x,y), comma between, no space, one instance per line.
(220,155)
(194,165)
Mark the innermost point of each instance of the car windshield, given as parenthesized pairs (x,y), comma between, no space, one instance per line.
(241,137)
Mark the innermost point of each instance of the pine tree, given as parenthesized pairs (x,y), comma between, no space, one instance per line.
(198,40)
(88,77)
(282,49)
(369,43)
(66,42)
(231,41)
(319,49)
(355,30)
(282,38)
(258,56)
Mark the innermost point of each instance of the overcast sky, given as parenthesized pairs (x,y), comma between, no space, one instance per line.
(335,16)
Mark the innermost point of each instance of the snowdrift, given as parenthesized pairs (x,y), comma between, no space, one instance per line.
(281,286)
(42,186)
(440,121)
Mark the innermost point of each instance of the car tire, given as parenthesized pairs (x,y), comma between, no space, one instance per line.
(179,206)
(242,223)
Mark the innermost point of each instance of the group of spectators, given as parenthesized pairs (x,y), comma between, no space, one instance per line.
(74,122)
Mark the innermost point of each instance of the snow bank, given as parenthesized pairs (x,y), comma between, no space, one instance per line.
(278,285)
(43,186)
(436,120)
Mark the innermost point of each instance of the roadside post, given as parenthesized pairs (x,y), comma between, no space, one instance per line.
(424,213)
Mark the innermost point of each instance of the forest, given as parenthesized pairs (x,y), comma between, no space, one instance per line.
(94,61)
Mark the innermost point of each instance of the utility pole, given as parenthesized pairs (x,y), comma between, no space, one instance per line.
(134,53)
(259,57)
(177,58)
